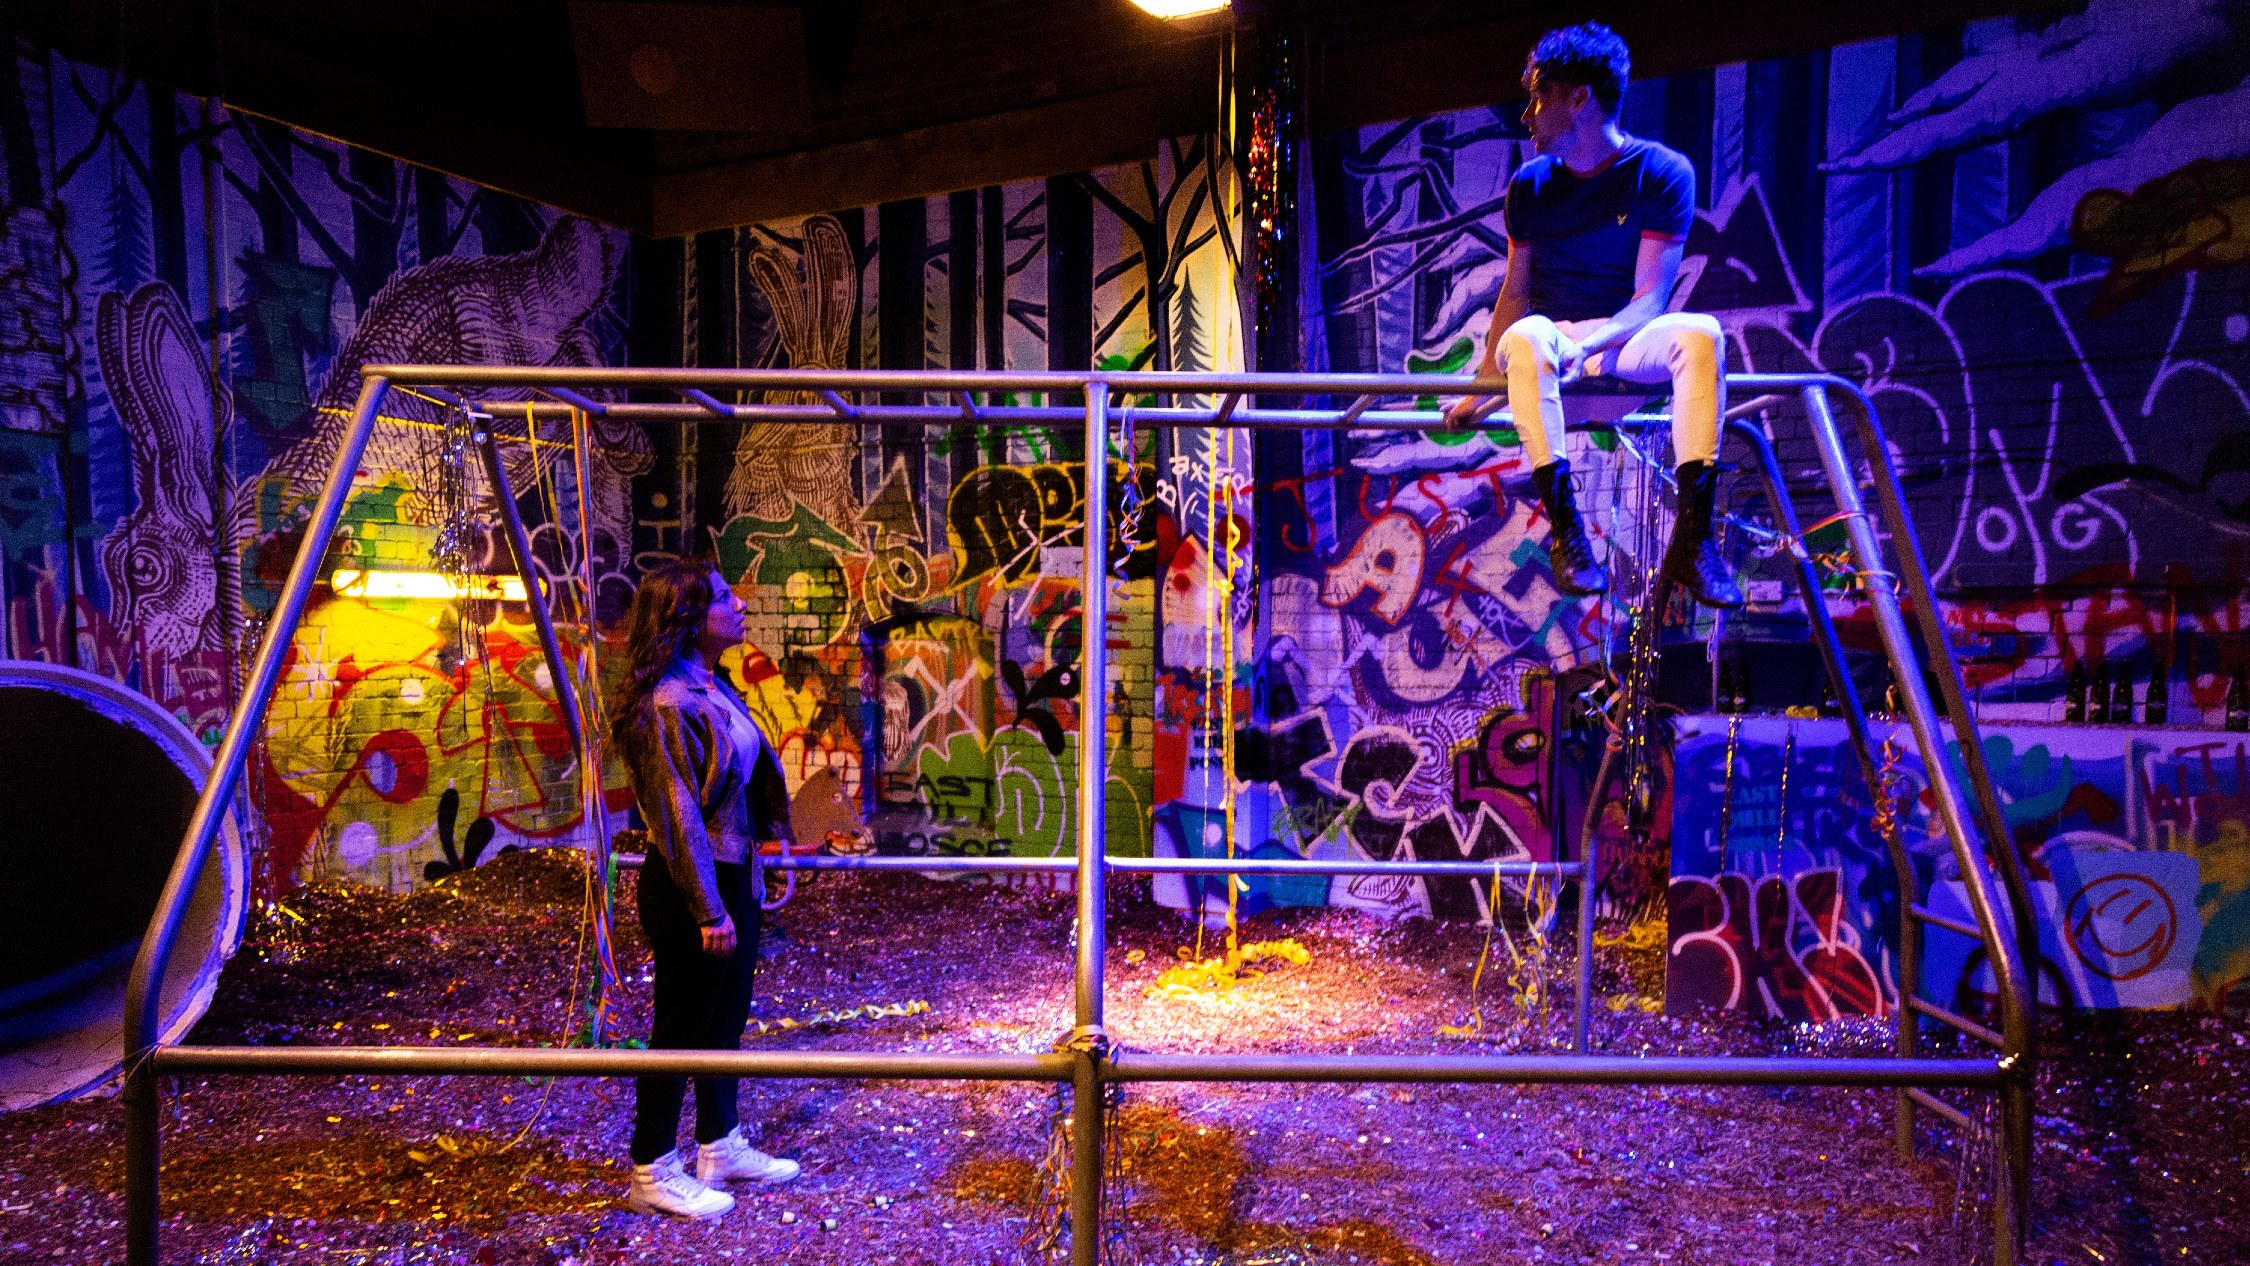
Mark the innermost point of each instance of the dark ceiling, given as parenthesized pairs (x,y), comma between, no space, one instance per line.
(676,117)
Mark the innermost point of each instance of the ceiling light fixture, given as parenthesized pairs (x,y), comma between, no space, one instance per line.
(351,582)
(1181,8)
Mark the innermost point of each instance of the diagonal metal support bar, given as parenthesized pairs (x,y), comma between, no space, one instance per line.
(1970,845)
(534,590)
(145,987)
(577,400)
(1845,691)
(706,401)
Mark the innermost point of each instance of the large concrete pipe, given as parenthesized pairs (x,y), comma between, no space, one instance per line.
(96,785)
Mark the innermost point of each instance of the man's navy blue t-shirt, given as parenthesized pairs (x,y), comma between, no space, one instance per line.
(1588,229)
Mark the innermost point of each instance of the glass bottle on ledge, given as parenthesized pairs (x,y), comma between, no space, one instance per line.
(2074,695)
(2238,701)
(2121,695)
(2097,696)
(2158,709)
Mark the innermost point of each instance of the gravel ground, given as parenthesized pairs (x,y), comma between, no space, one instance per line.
(2144,1139)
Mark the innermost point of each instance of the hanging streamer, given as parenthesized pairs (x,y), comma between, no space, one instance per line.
(592,726)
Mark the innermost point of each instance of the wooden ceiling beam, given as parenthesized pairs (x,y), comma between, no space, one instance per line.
(605,180)
(1066,136)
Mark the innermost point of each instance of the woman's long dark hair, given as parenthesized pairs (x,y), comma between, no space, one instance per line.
(668,611)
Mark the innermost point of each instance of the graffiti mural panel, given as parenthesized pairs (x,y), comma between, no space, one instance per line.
(1785,900)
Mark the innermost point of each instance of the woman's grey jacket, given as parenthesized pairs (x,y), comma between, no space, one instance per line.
(702,802)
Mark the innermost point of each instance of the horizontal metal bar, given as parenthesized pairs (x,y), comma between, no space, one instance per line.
(1956,1021)
(942,862)
(1150,865)
(1954,1116)
(713,379)
(938,380)
(1132,1066)
(1948,922)
(997,415)
(541,1061)
(1164,418)
(1587,1070)
(1290,866)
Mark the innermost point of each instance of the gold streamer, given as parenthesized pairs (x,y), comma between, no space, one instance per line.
(872,1011)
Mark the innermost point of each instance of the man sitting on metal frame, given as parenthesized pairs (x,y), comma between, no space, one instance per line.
(1597,225)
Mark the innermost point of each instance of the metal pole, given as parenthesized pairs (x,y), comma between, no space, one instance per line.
(952,863)
(1088,1040)
(532,1061)
(1913,569)
(1582,1007)
(1294,866)
(144,989)
(1574,1070)
(1882,599)
(2011,1215)
(1906,1020)
(1914,575)
(1968,848)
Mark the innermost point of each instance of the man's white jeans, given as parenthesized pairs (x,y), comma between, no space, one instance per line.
(1687,349)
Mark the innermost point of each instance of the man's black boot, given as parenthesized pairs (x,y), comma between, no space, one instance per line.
(1693,559)
(1568,551)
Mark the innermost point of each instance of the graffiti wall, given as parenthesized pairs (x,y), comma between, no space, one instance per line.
(1785,898)
(2018,233)
(1332,644)
(191,294)
(1925,214)
(916,592)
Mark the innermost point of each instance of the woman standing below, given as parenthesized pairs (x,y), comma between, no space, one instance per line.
(710,788)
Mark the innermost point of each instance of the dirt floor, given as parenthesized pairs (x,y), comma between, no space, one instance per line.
(2143,1154)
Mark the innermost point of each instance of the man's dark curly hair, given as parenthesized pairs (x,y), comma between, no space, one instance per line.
(1589,55)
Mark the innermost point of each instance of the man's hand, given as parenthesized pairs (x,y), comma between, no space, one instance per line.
(1464,412)
(1570,360)
(718,938)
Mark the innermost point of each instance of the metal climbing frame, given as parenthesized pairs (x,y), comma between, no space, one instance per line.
(1087,1060)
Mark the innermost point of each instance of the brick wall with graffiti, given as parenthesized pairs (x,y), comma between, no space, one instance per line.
(1784,896)
(191,293)
(916,592)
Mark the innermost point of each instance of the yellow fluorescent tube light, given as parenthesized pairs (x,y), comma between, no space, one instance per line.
(1181,8)
(354,583)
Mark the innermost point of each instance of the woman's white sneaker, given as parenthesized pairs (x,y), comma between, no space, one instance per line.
(732,1159)
(665,1187)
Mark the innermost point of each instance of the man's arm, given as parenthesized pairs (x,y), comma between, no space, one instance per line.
(1513,305)
(1654,273)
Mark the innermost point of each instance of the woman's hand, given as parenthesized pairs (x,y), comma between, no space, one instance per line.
(718,938)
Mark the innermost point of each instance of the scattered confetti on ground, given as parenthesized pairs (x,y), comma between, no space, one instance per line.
(2144,1133)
